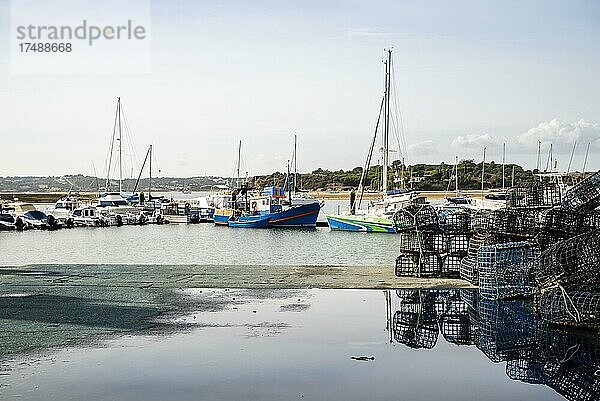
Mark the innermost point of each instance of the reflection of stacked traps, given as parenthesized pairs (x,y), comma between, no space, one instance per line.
(544,244)
(505,331)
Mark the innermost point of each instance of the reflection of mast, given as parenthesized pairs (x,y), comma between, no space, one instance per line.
(388,314)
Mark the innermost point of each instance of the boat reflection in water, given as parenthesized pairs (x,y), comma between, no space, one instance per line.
(505,331)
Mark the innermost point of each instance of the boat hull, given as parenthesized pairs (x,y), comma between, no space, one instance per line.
(296,216)
(361,224)
(222,216)
(249,222)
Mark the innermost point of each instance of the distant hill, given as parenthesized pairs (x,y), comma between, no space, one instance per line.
(90,184)
(424,177)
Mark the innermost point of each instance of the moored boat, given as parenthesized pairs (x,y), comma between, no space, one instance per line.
(249,221)
(377,218)
(363,223)
(292,212)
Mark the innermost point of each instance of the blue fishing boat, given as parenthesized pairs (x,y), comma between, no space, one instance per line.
(287,206)
(291,212)
(244,221)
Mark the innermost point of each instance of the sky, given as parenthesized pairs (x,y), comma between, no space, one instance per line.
(468,75)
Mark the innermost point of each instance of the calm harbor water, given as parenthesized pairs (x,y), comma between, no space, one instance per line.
(300,344)
(198,244)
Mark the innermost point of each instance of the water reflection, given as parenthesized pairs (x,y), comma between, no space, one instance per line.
(505,331)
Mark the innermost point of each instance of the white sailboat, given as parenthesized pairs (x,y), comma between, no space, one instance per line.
(378,218)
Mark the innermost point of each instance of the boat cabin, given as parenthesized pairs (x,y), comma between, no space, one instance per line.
(66,204)
(85,213)
(112,199)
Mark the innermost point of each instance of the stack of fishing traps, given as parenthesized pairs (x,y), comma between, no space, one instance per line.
(431,244)
(544,244)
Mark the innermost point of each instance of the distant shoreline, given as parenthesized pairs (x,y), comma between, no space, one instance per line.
(50,197)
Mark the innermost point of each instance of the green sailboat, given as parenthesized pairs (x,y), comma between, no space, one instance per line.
(378,218)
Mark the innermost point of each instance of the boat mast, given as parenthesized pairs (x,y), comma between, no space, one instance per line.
(112,146)
(365,171)
(587,152)
(571,158)
(150,183)
(289,190)
(503,163)
(238,164)
(148,155)
(456,175)
(120,147)
(386,124)
(295,164)
(483,172)
(512,179)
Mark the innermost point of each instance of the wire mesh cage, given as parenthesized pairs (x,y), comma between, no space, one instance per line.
(514,222)
(414,322)
(504,328)
(470,298)
(584,196)
(416,216)
(558,344)
(575,382)
(468,270)
(546,239)
(458,243)
(418,265)
(505,269)
(570,308)
(451,265)
(530,367)
(430,241)
(558,220)
(591,220)
(455,221)
(454,321)
(572,263)
(538,194)
(482,221)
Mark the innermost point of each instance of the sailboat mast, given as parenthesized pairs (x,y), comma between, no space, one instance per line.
(503,163)
(456,174)
(571,158)
(295,163)
(386,125)
(120,147)
(150,183)
(483,172)
(587,152)
(238,163)
(112,146)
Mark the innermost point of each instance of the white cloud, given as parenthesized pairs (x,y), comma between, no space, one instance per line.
(557,132)
(475,141)
(422,148)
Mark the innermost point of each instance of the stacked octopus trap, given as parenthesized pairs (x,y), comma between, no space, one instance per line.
(543,245)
